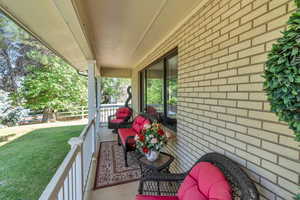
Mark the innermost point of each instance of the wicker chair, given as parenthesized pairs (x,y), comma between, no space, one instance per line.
(122,115)
(167,184)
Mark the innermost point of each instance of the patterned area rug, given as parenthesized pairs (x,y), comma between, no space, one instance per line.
(110,166)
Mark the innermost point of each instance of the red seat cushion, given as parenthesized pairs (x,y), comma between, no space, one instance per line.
(124,133)
(123,113)
(139,123)
(205,182)
(149,197)
(116,121)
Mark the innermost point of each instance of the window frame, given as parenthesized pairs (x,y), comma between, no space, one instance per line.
(143,80)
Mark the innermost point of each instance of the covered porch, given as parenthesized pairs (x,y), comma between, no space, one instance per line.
(204,60)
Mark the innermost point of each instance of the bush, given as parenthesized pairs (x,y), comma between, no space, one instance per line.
(12,117)
(282,75)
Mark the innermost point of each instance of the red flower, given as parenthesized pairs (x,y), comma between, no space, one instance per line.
(142,138)
(160,132)
(145,150)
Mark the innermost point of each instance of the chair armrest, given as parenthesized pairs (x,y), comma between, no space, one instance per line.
(110,117)
(161,184)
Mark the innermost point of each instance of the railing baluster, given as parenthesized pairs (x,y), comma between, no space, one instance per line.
(63,189)
(72,181)
(66,189)
(60,195)
(74,175)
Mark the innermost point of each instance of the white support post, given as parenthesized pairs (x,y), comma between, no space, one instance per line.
(92,96)
(98,79)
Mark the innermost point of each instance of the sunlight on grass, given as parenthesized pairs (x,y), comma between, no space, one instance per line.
(28,163)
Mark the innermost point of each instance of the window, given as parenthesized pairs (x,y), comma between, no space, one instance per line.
(155,87)
(158,86)
(171,87)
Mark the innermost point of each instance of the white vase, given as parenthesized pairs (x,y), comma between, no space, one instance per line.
(152,156)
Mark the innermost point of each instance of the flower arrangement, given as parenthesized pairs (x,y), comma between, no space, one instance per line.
(151,138)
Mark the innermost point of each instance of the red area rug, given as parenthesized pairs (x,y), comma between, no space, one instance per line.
(110,166)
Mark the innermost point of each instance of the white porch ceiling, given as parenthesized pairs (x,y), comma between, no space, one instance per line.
(117,33)
(126,30)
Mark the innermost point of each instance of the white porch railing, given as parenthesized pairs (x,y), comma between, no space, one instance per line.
(70,180)
(107,110)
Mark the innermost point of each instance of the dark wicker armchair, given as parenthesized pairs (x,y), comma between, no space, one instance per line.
(166,184)
(122,115)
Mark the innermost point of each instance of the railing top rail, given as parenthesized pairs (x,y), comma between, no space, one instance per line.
(57,180)
(111,105)
(86,129)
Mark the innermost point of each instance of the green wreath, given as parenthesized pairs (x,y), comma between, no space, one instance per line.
(282,75)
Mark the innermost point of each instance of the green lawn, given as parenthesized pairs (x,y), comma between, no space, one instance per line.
(28,163)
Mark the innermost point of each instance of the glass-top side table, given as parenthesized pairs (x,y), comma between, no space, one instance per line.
(161,164)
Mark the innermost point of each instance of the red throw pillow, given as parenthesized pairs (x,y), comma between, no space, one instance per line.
(139,123)
(205,182)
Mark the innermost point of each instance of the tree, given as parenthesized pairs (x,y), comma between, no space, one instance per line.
(155,91)
(52,87)
(113,88)
(14,45)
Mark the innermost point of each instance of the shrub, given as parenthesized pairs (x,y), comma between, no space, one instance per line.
(282,75)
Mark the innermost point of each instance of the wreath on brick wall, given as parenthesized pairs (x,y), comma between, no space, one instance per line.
(282,75)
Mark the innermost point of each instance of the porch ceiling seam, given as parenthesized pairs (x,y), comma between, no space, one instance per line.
(154,19)
(191,13)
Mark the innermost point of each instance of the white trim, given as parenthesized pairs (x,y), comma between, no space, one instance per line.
(72,21)
(91,90)
(98,80)
(197,8)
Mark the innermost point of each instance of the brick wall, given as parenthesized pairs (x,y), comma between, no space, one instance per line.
(222,107)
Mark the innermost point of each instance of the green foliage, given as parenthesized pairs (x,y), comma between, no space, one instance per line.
(14,45)
(282,75)
(297,3)
(113,88)
(11,118)
(172,91)
(54,86)
(297,197)
(154,91)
